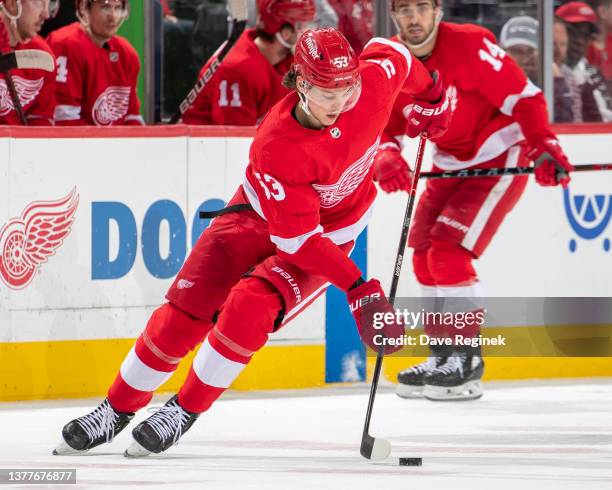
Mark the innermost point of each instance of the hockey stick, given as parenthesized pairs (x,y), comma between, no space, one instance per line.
(24,59)
(27,59)
(500,172)
(238,11)
(375,447)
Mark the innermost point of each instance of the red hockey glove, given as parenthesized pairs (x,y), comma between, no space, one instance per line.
(430,112)
(368,305)
(391,170)
(551,165)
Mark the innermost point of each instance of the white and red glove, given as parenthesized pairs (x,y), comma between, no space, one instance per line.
(391,170)
(365,301)
(551,164)
(430,112)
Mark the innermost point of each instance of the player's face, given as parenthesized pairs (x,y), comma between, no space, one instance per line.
(605,14)
(105,17)
(34,15)
(527,58)
(416,19)
(560,41)
(580,35)
(327,104)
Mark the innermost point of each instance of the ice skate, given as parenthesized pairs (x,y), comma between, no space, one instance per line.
(93,429)
(161,430)
(456,379)
(410,381)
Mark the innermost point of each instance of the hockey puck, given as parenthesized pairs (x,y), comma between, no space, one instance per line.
(411,461)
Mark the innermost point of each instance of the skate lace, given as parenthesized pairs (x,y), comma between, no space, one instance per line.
(426,366)
(100,422)
(452,364)
(168,421)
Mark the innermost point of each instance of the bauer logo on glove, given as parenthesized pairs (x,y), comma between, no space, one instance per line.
(366,301)
(361,302)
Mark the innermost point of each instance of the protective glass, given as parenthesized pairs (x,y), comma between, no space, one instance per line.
(421,8)
(333,100)
(51,5)
(114,6)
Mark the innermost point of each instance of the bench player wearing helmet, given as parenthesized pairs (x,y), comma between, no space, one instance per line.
(20,23)
(499,120)
(97,70)
(309,193)
(249,80)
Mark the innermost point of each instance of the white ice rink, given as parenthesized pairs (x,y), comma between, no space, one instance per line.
(518,436)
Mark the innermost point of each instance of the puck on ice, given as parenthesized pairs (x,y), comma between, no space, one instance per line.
(411,461)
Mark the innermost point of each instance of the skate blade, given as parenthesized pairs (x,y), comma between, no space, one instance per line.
(409,391)
(63,449)
(472,390)
(135,450)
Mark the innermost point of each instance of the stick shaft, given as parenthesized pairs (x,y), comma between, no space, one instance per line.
(395,281)
(500,172)
(15,98)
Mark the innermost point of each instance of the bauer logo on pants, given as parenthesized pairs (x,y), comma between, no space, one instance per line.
(589,216)
(28,241)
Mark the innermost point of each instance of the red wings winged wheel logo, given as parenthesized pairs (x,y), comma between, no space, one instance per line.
(28,241)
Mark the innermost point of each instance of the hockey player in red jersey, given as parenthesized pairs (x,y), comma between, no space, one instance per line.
(499,120)
(97,70)
(286,234)
(20,23)
(249,80)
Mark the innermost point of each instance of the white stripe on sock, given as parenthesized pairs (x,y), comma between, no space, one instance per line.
(214,369)
(140,376)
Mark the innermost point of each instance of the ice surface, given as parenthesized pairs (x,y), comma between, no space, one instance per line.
(518,436)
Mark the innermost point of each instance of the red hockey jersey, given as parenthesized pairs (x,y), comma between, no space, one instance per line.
(95,85)
(35,89)
(315,187)
(494,105)
(243,88)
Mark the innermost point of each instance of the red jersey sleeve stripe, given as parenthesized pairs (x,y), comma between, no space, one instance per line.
(400,48)
(510,102)
(292,245)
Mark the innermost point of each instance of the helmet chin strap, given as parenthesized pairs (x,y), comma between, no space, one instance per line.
(285,44)
(306,109)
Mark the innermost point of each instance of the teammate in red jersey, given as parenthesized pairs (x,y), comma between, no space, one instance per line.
(499,120)
(355,20)
(249,80)
(306,196)
(20,24)
(97,71)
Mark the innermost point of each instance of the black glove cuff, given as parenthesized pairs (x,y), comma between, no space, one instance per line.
(357,283)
